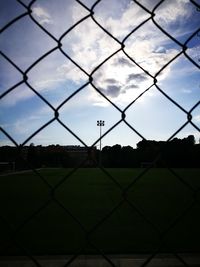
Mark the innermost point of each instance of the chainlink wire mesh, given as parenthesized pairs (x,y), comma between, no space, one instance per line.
(52,189)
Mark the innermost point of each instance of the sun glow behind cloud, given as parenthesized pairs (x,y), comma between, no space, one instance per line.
(119,79)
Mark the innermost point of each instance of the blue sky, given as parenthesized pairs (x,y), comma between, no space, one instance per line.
(55,77)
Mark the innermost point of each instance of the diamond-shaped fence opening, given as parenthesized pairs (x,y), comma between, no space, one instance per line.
(61,70)
(64,64)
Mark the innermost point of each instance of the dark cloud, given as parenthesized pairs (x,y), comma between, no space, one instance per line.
(111,90)
(131,86)
(137,77)
(111,81)
(98,74)
(116,90)
(123,61)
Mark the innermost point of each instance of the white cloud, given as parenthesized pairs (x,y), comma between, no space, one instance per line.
(42,15)
(89,45)
(20,93)
(196,118)
(68,71)
(44,85)
(186,91)
(194,52)
(122,24)
(173,11)
(118,76)
(53,72)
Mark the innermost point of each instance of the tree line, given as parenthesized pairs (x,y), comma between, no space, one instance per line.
(175,153)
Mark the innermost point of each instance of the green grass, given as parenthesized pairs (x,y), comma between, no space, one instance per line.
(89,195)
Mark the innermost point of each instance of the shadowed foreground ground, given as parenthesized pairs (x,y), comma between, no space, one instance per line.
(162,260)
(90,211)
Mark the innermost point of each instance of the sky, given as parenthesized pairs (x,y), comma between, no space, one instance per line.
(115,84)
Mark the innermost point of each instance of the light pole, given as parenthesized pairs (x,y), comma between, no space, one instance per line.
(100,123)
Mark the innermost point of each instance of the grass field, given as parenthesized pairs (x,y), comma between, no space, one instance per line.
(89,195)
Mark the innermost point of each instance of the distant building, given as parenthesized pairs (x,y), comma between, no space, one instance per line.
(80,154)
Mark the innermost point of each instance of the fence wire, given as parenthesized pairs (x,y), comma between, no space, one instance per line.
(91,81)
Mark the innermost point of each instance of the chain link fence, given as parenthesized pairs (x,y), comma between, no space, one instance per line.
(13,239)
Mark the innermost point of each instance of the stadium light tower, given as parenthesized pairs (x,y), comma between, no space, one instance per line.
(100,123)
